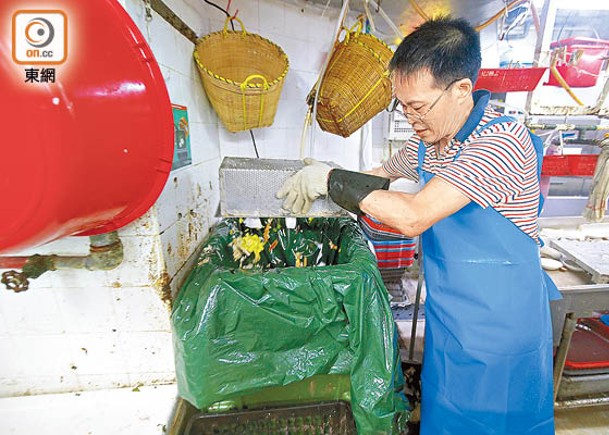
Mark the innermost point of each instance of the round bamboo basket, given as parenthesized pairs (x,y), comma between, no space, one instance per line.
(242,74)
(356,85)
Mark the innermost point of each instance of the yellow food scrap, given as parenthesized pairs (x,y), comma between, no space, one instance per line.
(301,260)
(332,245)
(273,245)
(246,245)
(267,231)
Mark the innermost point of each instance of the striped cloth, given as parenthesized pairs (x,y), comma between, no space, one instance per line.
(392,249)
(497,167)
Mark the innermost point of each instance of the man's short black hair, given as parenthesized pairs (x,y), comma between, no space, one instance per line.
(446,47)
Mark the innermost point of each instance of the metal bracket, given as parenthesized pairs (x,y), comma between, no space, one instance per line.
(176,22)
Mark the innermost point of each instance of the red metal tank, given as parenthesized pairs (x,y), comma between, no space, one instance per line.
(86,121)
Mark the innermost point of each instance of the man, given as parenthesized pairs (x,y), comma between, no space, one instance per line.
(487,366)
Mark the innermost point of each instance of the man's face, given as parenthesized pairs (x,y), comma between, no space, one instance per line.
(429,109)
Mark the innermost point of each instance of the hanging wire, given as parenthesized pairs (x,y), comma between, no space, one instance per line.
(520,19)
(325,8)
(499,14)
(254,142)
(390,23)
(369,16)
(221,9)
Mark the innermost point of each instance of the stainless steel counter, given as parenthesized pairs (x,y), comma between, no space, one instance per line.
(581,298)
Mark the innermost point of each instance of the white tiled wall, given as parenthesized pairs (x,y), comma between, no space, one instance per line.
(78,330)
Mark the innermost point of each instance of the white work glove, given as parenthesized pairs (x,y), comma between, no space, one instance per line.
(305,186)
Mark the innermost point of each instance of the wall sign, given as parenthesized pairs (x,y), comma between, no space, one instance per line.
(181,151)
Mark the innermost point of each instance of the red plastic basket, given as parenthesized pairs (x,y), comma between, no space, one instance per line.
(589,349)
(576,165)
(509,79)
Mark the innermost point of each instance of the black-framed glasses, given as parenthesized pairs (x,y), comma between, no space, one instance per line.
(397,105)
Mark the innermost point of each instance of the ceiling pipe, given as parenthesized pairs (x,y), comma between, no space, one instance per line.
(105,253)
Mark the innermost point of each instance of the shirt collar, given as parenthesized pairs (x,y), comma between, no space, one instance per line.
(481,99)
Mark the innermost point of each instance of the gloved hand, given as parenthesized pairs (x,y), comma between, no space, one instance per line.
(305,186)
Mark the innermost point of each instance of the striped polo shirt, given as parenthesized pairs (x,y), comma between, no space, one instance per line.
(494,167)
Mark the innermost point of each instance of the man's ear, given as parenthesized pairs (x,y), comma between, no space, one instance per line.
(464,88)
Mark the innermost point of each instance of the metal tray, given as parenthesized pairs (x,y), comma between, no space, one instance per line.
(323,418)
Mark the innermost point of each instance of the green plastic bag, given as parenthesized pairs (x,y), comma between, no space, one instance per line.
(273,306)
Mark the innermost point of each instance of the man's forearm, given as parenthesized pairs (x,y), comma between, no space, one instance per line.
(395,209)
(380,172)
(413,214)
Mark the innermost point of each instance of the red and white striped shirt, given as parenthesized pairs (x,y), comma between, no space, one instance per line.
(497,167)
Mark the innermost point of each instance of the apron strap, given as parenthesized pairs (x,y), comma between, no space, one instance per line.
(421,157)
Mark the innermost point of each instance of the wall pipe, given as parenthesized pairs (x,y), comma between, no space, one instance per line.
(105,253)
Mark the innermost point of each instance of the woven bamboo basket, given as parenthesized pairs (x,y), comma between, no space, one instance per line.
(242,74)
(356,85)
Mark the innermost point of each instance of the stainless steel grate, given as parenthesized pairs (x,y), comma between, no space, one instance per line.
(248,187)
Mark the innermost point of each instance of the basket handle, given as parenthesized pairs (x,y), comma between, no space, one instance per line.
(228,19)
(265,84)
(358,26)
(243,85)
(355,28)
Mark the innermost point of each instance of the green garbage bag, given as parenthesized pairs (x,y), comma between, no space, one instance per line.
(272,306)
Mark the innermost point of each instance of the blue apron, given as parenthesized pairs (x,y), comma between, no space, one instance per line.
(487,364)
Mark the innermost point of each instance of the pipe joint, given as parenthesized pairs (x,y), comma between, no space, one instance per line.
(105,253)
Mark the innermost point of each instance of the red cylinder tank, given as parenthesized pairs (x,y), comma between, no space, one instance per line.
(86,121)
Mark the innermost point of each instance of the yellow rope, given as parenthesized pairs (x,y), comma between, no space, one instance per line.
(243,87)
(261,109)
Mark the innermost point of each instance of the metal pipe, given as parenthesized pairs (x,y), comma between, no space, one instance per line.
(576,141)
(105,253)
(417,300)
(563,127)
(601,98)
(579,403)
(390,23)
(563,348)
(12,262)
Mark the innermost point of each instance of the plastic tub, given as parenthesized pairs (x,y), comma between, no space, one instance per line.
(579,61)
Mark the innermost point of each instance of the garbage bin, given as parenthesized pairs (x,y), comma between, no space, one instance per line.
(276,307)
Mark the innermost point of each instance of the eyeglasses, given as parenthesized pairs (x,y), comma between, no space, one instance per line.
(416,116)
